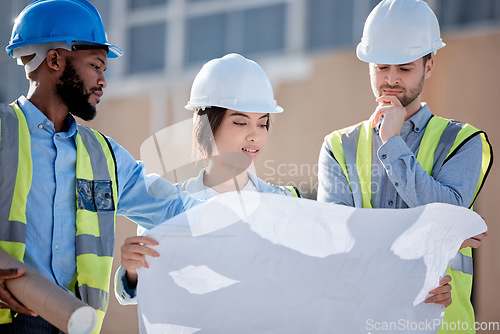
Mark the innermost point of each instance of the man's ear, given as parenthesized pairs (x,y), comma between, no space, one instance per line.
(429,67)
(54,60)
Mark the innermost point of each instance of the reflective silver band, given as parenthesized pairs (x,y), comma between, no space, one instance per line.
(96,298)
(462,263)
(350,147)
(9,159)
(444,146)
(100,171)
(89,244)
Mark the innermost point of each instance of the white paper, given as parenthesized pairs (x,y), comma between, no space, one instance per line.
(264,263)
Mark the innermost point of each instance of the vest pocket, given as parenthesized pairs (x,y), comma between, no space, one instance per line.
(95,195)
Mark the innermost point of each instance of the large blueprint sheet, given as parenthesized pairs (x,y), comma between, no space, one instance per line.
(263,263)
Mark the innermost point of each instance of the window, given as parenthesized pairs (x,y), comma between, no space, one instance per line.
(206,37)
(329,23)
(146,49)
(248,31)
(452,13)
(135,4)
(264,29)
(172,36)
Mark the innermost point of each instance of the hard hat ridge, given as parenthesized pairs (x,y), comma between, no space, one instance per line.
(399,32)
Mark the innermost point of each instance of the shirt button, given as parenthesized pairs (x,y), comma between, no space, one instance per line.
(417,129)
(40,126)
(396,184)
(391,202)
(57,207)
(47,122)
(384,156)
(58,170)
(57,246)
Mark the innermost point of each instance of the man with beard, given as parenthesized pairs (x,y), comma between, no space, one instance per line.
(404,156)
(62,184)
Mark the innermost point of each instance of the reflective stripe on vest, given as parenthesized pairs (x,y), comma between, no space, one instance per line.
(352,149)
(15,146)
(433,154)
(462,263)
(96,217)
(96,209)
(441,140)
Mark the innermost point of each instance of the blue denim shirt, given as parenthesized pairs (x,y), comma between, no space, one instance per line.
(51,208)
(398,181)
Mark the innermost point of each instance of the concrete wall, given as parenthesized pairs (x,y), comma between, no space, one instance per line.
(336,93)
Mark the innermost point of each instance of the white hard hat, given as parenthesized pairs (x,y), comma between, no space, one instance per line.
(233,82)
(399,32)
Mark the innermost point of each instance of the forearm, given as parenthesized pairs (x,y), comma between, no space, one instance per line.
(455,183)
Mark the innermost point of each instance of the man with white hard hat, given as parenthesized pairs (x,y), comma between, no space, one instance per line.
(62,184)
(404,156)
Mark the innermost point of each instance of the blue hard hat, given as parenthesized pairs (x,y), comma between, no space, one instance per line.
(70,21)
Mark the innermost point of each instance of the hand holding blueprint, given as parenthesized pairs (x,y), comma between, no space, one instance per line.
(264,263)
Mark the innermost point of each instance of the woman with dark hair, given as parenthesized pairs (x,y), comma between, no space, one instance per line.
(232,100)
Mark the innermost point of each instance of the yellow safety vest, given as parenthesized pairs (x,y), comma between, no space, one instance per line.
(294,191)
(96,193)
(441,140)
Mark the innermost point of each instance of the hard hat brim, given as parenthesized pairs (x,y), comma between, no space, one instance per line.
(363,53)
(260,109)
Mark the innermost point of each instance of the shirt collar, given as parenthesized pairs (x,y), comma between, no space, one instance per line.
(196,184)
(421,118)
(36,119)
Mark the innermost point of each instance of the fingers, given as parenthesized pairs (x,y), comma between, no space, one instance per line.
(474,242)
(389,99)
(11,273)
(141,240)
(442,299)
(441,294)
(445,280)
(134,251)
(7,300)
(470,243)
(480,237)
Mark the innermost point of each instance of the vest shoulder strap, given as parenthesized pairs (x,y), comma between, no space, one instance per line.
(335,139)
(294,191)
(352,149)
(441,141)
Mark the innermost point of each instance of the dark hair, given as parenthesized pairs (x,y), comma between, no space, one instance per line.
(427,57)
(204,132)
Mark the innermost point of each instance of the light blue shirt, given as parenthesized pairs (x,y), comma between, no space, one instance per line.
(398,180)
(51,208)
(194,186)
